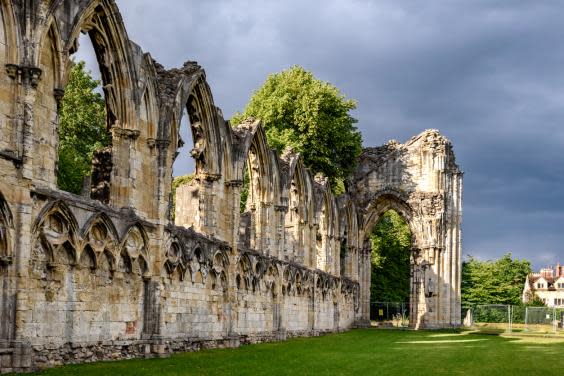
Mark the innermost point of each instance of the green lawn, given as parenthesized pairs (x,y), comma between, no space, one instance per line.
(358,352)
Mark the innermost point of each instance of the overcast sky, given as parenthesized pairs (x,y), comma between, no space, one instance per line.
(488,74)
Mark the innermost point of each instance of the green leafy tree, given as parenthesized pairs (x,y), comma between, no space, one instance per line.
(534,300)
(498,281)
(391,247)
(312,117)
(245,192)
(82,128)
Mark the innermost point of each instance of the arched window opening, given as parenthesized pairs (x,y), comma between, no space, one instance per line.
(184,193)
(390,242)
(251,190)
(147,116)
(184,163)
(254,175)
(343,255)
(295,220)
(245,210)
(245,190)
(84,149)
(10,130)
(252,219)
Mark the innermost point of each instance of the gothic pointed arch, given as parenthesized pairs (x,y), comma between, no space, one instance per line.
(265,185)
(176,255)
(46,76)
(11,36)
(348,236)
(100,232)
(87,258)
(135,241)
(326,225)
(148,112)
(384,200)
(255,156)
(102,21)
(193,94)
(56,225)
(297,183)
(297,188)
(10,132)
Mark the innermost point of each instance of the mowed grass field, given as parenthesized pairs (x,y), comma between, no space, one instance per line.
(358,352)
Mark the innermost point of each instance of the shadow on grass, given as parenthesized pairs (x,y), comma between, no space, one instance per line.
(361,351)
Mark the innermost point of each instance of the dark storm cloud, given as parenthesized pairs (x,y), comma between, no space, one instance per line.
(487,74)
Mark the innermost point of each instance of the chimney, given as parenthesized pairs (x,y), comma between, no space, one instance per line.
(547,272)
(558,270)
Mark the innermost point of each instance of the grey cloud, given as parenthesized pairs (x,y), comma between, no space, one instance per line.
(488,74)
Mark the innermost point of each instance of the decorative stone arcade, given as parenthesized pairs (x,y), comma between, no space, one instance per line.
(83,278)
(421,181)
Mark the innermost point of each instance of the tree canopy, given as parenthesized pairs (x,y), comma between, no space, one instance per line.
(82,128)
(498,281)
(311,116)
(391,247)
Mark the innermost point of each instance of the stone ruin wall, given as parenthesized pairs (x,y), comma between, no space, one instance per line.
(109,275)
(421,181)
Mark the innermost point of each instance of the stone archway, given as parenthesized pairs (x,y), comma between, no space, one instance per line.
(421,181)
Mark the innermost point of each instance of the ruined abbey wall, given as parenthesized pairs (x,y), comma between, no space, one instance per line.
(110,275)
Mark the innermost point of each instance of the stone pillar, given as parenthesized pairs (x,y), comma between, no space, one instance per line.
(278,248)
(233,194)
(301,230)
(278,310)
(253,227)
(425,297)
(364,280)
(16,285)
(336,257)
(311,306)
(267,228)
(231,299)
(29,78)
(164,182)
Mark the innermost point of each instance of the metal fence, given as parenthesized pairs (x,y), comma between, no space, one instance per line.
(392,314)
(498,318)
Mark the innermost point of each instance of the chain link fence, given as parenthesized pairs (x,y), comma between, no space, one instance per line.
(499,318)
(491,318)
(389,314)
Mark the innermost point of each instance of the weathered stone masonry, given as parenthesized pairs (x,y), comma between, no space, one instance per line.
(108,275)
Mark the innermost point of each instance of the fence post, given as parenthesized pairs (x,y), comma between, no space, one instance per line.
(526,319)
(554,319)
(509,317)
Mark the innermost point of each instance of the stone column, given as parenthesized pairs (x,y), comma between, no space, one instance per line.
(253,244)
(278,248)
(365,280)
(163,181)
(234,195)
(16,285)
(29,78)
